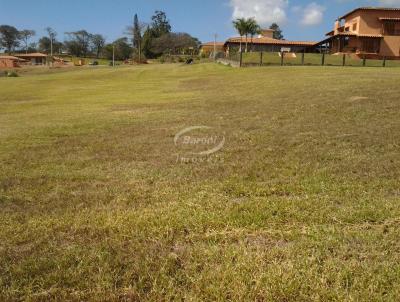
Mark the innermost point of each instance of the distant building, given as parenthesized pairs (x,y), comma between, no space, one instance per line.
(33,58)
(266,42)
(366,31)
(10,61)
(207,49)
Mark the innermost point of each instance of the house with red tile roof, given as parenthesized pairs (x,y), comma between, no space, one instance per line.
(207,49)
(266,42)
(33,58)
(10,61)
(367,32)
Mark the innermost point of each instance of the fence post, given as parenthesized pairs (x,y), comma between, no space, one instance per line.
(241,58)
(384,62)
(364,61)
(261,58)
(302,58)
(323,59)
(344,59)
(282,55)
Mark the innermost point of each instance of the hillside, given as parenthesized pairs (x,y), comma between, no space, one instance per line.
(101,201)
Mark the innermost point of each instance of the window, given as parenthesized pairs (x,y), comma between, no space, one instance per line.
(370,45)
(391,28)
(347,29)
(355,27)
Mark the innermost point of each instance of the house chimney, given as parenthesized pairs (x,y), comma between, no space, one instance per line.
(337,26)
(267,33)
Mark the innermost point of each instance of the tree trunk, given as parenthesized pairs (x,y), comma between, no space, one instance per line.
(140,51)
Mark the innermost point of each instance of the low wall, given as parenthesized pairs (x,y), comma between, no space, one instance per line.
(228,62)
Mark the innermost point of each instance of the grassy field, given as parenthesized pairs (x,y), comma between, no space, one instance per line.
(300,204)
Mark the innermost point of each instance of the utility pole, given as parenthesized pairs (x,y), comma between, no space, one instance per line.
(51,50)
(215,47)
(113,55)
(52,35)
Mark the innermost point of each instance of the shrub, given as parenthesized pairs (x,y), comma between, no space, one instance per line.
(143,59)
(12,74)
(166,59)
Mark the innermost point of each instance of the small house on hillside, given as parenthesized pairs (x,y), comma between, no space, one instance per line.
(33,58)
(367,31)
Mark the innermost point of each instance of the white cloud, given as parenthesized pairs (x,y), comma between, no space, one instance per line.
(312,14)
(264,11)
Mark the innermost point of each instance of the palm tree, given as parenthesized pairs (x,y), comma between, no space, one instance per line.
(253,29)
(241,27)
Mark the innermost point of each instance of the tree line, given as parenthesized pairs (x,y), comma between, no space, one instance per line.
(79,43)
(141,41)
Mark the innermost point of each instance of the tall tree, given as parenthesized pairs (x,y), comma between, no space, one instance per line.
(52,37)
(253,29)
(241,27)
(25,35)
(33,47)
(44,45)
(122,49)
(98,43)
(137,36)
(160,24)
(135,31)
(78,43)
(146,42)
(9,37)
(277,31)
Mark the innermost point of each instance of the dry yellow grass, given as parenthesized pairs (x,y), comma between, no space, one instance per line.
(301,204)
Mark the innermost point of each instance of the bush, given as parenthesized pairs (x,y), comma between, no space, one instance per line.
(166,59)
(143,59)
(12,74)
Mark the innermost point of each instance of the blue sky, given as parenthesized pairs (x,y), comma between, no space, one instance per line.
(299,19)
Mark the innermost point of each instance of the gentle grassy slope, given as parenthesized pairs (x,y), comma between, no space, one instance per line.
(304,205)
